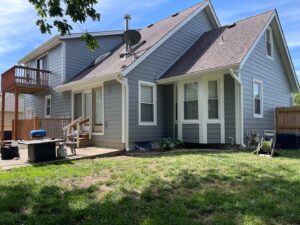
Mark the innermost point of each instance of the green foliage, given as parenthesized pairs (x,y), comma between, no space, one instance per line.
(297,99)
(266,145)
(53,14)
(170,143)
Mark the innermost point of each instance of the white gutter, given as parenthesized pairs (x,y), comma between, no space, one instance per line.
(124,82)
(237,78)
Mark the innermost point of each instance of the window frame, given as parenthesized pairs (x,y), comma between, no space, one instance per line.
(184,100)
(271,42)
(261,115)
(213,120)
(48,97)
(154,96)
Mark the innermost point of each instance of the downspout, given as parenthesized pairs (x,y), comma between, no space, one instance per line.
(236,76)
(124,82)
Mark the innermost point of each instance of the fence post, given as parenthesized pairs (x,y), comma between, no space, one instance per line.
(36,124)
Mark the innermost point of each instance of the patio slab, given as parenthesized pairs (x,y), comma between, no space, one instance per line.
(82,153)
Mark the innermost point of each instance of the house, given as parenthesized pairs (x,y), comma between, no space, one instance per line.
(188,78)
(9,113)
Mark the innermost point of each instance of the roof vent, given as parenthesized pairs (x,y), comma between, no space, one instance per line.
(151,25)
(176,14)
(231,25)
(101,58)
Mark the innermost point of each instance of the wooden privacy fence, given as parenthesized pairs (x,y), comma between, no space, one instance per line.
(53,127)
(288,120)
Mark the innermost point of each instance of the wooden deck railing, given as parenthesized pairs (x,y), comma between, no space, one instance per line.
(20,76)
(288,120)
(53,127)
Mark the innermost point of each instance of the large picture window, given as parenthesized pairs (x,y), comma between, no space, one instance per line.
(257,98)
(213,100)
(147,103)
(191,101)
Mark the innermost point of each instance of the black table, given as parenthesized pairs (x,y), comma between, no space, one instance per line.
(41,150)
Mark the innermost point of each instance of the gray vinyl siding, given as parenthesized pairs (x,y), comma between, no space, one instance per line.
(112,114)
(190,133)
(61,102)
(276,87)
(152,68)
(229,104)
(78,56)
(213,133)
(169,110)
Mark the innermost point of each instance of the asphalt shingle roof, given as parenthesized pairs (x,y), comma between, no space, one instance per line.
(220,47)
(114,64)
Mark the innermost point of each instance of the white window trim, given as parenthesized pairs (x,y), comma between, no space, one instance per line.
(153,85)
(46,98)
(212,121)
(261,115)
(191,121)
(272,43)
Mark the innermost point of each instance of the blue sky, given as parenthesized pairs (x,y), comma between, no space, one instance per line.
(19,35)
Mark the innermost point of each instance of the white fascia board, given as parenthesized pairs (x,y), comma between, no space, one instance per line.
(287,51)
(195,74)
(51,43)
(165,38)
(83,83)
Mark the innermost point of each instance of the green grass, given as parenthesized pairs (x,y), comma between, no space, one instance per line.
(172,188)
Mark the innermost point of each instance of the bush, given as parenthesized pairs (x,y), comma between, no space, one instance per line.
(170,143)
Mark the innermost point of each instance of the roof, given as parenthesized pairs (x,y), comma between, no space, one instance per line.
(56,40)
(10,103)
(150,36)
(219,48)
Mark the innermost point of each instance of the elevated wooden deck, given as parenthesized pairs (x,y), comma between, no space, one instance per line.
(24,80)
(21,80)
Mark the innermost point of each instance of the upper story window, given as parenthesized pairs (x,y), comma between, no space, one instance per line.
(258,98)
(213,100)
(147,103)
(191,101)
(269,42)
(41,63)
(48,106)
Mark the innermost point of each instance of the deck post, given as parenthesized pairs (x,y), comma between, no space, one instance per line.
(2,116)
(16,116)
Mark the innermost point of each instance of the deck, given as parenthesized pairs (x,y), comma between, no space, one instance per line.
(82,153)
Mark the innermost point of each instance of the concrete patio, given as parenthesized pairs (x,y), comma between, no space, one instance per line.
(82,153)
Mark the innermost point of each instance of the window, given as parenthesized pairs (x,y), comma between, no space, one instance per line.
(213,100)
(191,101)
(48,106)
(147,103)
(269,42)
(42,63)
(257,98)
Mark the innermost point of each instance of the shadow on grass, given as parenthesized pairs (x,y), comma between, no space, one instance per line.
(188,199)
(156,154)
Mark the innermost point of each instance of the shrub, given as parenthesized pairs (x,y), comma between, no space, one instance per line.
(170,143)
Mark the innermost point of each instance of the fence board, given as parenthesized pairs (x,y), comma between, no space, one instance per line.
(288,120)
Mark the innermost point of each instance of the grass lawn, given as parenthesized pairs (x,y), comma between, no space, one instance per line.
(173,188)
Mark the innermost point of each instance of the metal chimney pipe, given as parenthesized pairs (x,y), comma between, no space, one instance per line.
(127,19)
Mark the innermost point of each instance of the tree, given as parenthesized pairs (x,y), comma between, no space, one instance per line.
(52,14)
(297,99)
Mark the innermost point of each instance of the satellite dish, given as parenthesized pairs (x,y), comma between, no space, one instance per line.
(131,37)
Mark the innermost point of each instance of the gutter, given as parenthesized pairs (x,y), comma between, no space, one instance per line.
(125,110)
(237,77)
